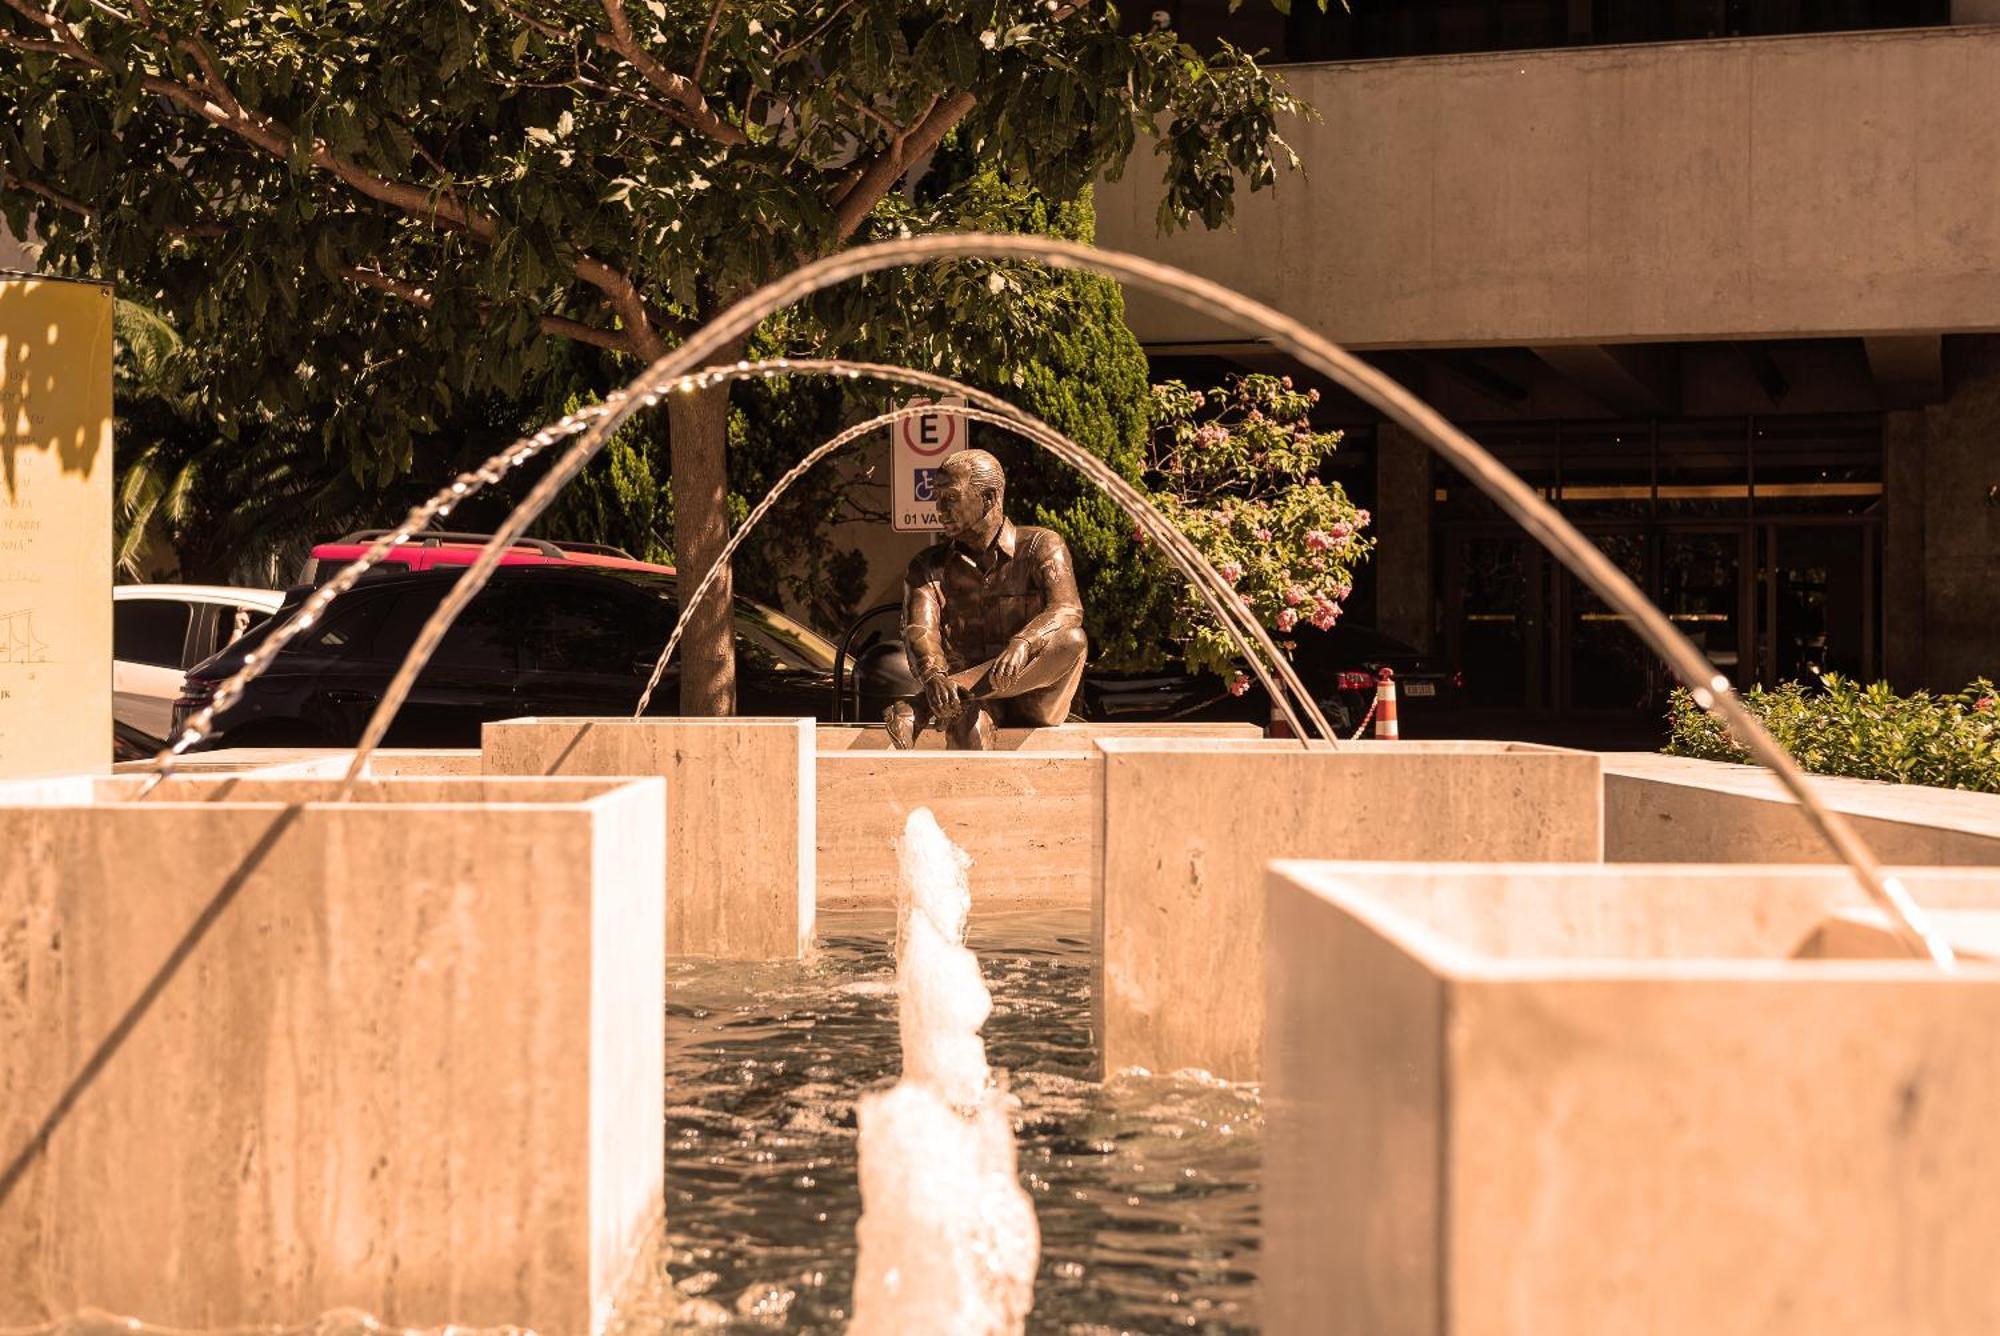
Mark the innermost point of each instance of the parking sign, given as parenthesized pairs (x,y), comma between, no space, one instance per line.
(922,443)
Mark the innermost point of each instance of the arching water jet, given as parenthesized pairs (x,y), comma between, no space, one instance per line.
(1711,689)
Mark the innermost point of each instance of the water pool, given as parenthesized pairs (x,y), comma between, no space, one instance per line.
(1145,1187)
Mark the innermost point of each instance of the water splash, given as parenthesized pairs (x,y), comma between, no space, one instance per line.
(948,1238)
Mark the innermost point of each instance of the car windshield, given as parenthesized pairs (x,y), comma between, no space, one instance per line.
(788,639)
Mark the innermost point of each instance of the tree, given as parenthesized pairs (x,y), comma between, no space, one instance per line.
(387,207)
(1235,470)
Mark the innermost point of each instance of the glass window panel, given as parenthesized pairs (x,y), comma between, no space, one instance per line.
(1817,466)
(1607,470)
(1528,449)
(1704,469)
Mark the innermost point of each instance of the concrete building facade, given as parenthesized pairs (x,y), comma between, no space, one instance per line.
(1731,301)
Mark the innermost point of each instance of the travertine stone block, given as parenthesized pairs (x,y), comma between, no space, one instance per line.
(1030,820)
(1188,827)
(1673,809)
(318,762)
(1567,1100)
(1062,737)
(55,525)
(264,1055)
(740,814)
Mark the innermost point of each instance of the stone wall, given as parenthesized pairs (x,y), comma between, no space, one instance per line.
(1960,634)
(1836,184)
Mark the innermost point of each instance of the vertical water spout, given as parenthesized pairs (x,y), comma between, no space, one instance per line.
(948,1239)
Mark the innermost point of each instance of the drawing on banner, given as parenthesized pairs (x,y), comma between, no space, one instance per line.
(18,643)
(920,444)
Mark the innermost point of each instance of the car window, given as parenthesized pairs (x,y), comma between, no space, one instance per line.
(480,639)
(149,630)
(229,625)
(576,627)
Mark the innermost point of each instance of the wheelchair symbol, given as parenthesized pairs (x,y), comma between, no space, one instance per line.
(926,484)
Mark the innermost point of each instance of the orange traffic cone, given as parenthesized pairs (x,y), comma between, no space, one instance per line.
(1385,707)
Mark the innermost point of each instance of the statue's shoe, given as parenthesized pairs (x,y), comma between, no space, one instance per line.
(902,722)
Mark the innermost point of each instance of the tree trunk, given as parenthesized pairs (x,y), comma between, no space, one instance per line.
(698,424)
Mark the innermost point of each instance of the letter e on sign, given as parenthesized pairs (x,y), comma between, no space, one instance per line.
(918,445)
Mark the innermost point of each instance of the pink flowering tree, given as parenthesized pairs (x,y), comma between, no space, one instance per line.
(1237,469)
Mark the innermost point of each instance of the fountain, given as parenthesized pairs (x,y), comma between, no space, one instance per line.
(1144,1188)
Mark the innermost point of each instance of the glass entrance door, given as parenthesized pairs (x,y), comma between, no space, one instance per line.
(1819,612)
(1601,664)
(1493,617)
(1705,592)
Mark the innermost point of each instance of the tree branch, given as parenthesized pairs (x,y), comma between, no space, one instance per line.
(55,197)
(211,74)
(545,28)
(420,297)
(701,60)
(876,180)
(685,93)
(870,112)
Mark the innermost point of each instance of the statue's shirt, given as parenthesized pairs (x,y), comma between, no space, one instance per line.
(960,608)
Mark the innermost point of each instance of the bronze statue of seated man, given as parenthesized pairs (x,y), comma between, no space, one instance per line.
(992,624)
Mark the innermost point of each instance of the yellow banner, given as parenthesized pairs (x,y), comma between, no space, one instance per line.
(55,527)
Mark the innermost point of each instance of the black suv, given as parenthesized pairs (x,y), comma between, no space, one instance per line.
(538,640)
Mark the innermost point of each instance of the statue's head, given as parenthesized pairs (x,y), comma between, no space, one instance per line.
(971,487)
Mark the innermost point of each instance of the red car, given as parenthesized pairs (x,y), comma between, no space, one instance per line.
(430,549)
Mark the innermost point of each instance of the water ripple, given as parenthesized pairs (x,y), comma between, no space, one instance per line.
(1145,1187)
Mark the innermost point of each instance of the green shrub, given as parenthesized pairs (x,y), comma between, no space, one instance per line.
(1861,732)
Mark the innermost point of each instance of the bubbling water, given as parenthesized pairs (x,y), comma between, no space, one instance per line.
(947,1240)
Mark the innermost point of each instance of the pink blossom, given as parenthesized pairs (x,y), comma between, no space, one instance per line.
(1211,436)
(1245,600)
(1342,591)
(1312,396)
(1339,531)
(1285,381)
(1230,571)
(1984,704)
(1263,535)
(1240,685)
(1325,613)
(1295,595)
(1361,518)
(1318,540)
(1287,619)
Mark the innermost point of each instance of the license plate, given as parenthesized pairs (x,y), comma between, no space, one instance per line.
(1420,689)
